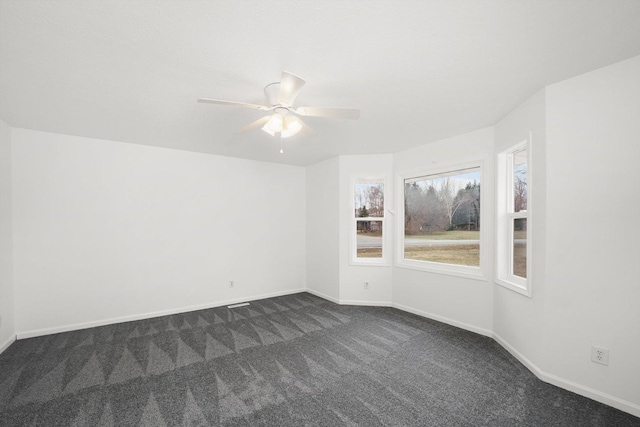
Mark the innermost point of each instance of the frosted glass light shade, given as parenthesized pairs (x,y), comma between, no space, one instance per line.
(291,127)
(286,126)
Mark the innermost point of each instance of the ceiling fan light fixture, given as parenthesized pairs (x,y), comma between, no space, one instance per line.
(275,123)
(286,126)
(268,130)
(292,126)
(281,97)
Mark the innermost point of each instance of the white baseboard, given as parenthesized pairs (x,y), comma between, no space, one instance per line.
(555,380)
(350,302)
(366,303)
(457,324)
(103,322)
(571,386)
(323,296)
(5,345)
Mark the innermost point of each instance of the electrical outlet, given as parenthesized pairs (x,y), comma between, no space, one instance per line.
(231,284)
(366,285)
(600,355)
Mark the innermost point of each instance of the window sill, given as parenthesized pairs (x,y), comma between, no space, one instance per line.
(474,273)
(522,290)
(377,263)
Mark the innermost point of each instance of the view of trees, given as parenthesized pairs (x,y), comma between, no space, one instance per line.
(369,203)
(519,251)
(520,182)
(369,200)
(442,204)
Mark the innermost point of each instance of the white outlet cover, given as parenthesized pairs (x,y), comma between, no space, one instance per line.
(600,355)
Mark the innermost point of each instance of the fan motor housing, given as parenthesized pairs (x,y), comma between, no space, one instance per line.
(281,110)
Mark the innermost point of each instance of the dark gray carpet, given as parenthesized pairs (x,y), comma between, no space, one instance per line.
(288,361)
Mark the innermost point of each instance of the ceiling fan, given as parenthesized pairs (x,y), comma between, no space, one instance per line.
(283,117)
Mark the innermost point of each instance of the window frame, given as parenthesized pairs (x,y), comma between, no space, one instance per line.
(469,272)
(353,223)
(506,220)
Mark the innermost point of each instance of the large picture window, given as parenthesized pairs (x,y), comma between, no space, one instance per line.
(368,221)
(442,221)
(513,218)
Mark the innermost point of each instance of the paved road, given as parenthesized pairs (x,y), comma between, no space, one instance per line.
(376,242)
(429,242)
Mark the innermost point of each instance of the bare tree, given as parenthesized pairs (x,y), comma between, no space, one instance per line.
(360,199)
(520,191)
(372,196)
(448,191)
(375,196)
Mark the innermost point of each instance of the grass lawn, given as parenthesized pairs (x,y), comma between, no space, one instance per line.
(520,259)
(520,234)
(449,254)
(447,235)
(454,254)
(369,252)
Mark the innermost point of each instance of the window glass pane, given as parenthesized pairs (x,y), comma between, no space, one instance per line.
(369,198)
(369,239)
(520,247)
(442,218)
(520,180)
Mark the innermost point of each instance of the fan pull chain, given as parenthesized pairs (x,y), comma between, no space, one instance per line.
(281,150)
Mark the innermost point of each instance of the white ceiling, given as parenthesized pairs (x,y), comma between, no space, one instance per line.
(419,71)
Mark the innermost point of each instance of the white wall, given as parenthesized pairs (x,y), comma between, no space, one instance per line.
(106,230)
(519,320)
(7,323)
(593,251)
(352,277)
(459,301)
(323,231)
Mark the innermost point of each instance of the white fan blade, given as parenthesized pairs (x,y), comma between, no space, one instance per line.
(332,113)
(306,131)
(233,104)
(255,124)
(290,86)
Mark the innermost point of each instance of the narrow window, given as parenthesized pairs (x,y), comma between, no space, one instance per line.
(518,218)
(513,218)
(368,220)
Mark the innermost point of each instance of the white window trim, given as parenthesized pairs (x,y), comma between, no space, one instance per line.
(476,273)
(353,245)
(505,217)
